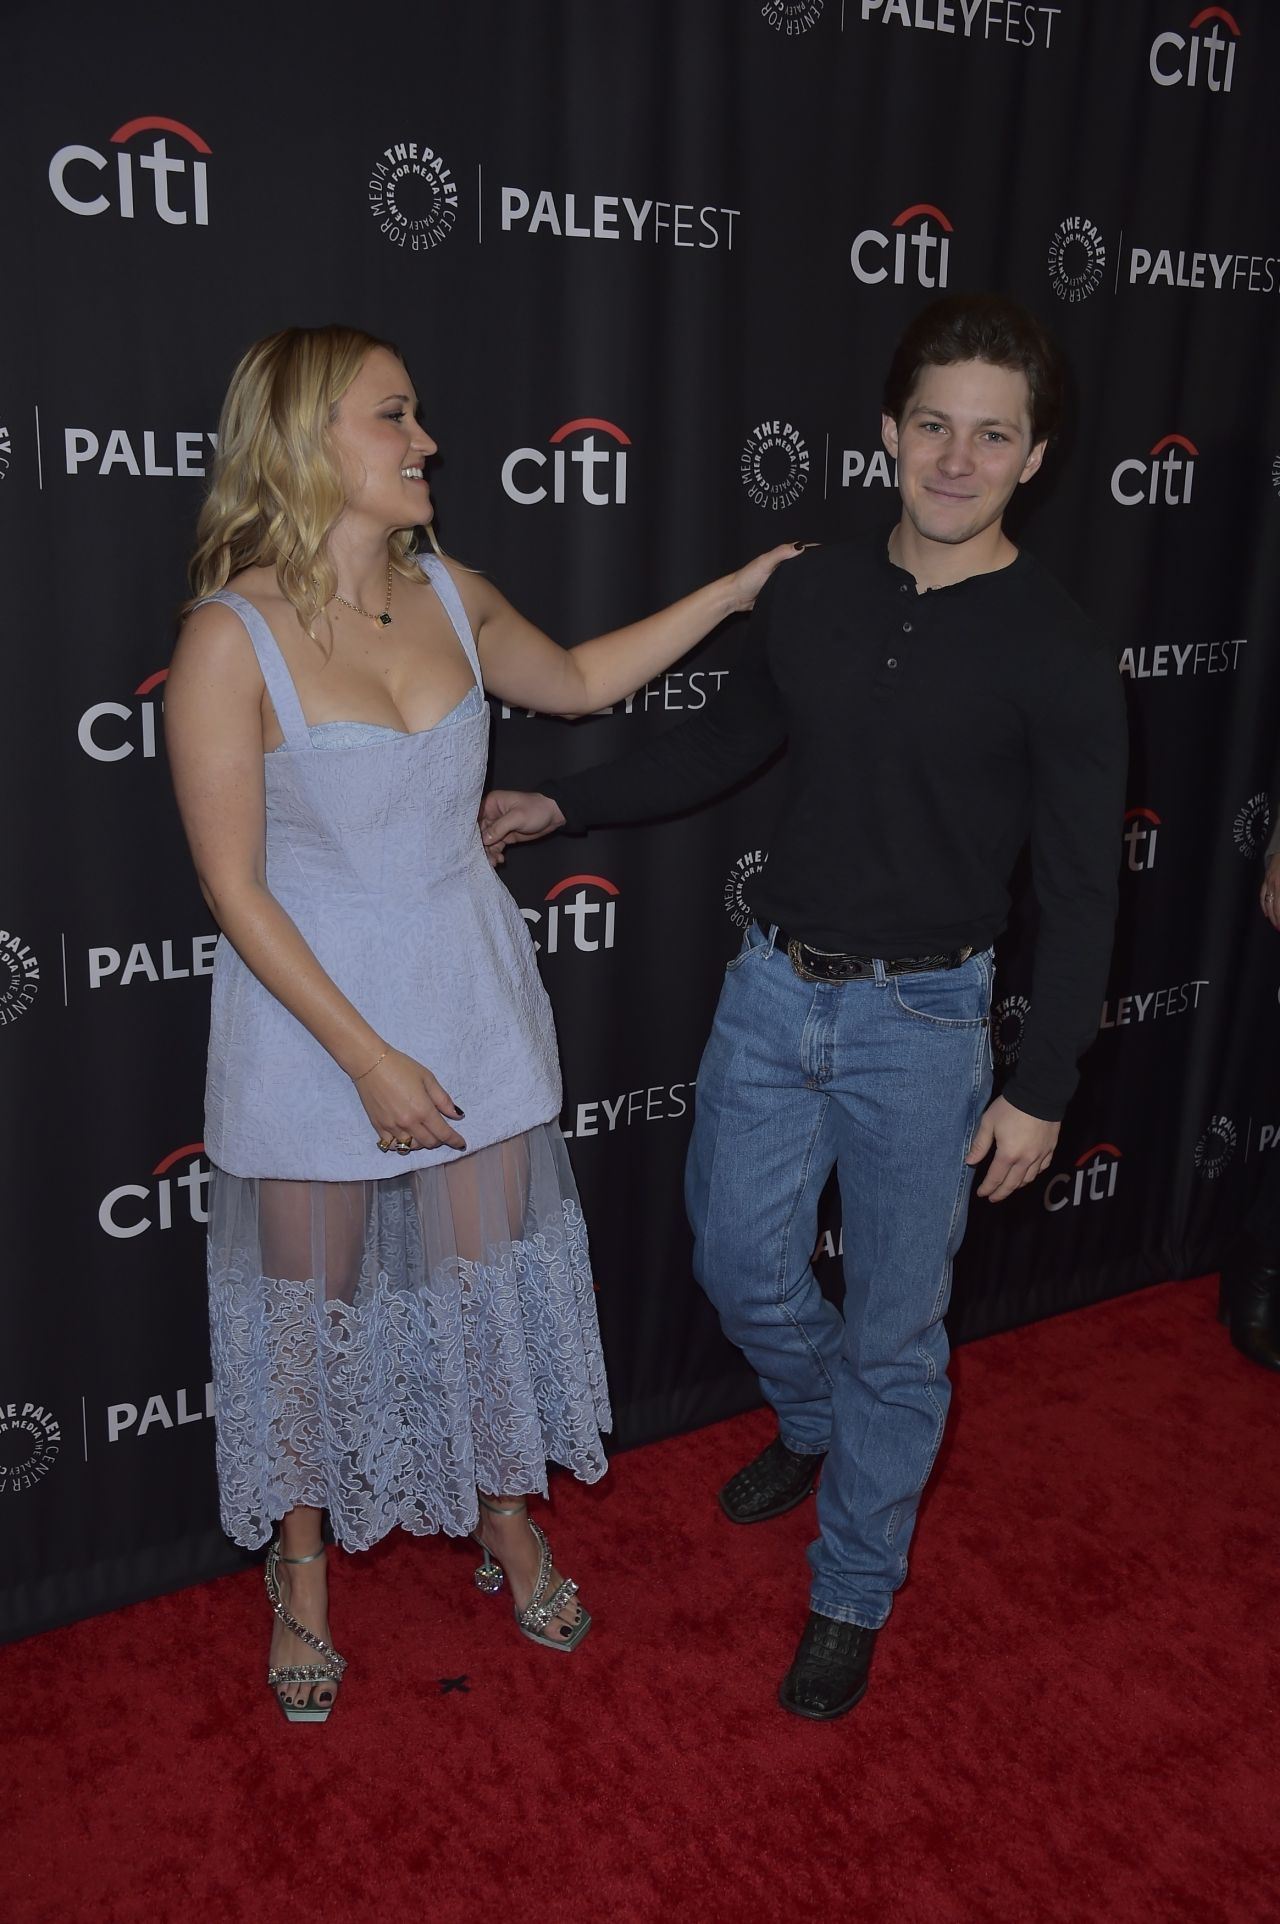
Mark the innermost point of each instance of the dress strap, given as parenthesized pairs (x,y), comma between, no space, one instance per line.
(275,670)
(451,601)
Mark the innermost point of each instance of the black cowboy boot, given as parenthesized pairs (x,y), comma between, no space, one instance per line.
(1249,1304)
(770,1485)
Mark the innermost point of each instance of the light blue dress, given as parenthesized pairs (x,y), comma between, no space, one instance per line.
(386,1340)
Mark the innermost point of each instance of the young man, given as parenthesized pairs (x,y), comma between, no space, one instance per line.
(943,702)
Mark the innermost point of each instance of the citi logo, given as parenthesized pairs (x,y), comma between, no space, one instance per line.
(1142,830)
(194,1406)
(179,185)
(123,1212)
(1094,1179)
(103,741)
(930,247)
(604,465)
(874,470)
(183,452)
(580,911)
(1183,60)
(1164,477)
(170,961)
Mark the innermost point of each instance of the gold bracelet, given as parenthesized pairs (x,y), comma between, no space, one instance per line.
(372,1066)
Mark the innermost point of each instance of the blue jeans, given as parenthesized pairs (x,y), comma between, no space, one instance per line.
(883,1080)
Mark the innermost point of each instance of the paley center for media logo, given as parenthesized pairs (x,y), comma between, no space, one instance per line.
(743,872)
(601,479)
(6,451)
(1162,477)
(917,249)
(413,196)
(1216,1147)
(792,17)
(1008,1021)
(79,176)
(30,1436)
(1252,826)
(103,741)
(1201,55)
(19,977)
(1077,259)
(132,1208)
(774,465)
(584,920)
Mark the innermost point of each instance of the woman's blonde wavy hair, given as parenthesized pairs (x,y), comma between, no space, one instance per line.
(275,489)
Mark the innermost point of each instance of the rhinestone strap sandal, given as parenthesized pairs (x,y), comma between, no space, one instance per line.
(331,1666)
(547,1601)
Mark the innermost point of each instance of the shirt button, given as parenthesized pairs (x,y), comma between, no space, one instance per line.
(903,587)
(892,662)
(906,627)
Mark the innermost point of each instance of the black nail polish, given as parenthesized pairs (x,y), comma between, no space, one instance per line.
(798,546)
(461,1114)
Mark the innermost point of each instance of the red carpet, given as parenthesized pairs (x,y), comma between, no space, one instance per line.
(1072,1714)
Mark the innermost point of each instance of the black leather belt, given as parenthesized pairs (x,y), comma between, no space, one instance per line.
(828,965)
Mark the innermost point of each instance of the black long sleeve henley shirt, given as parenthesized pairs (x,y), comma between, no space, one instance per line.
(929,737)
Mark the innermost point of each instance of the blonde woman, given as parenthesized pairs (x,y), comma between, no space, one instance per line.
(401,1308)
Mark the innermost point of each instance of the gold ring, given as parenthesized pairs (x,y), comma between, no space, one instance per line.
(384,1146)
(404,1145)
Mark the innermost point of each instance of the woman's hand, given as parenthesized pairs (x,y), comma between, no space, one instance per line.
(406,1105)
(513,815)
(1271,892)
(746,584)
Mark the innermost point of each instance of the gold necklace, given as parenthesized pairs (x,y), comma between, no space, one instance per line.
(384,619)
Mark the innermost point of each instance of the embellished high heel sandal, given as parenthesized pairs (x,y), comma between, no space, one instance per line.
(546,1601)
(330,1667)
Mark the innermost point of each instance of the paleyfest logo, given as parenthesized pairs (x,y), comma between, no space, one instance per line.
(413,196)
(1077,259)
(76,175)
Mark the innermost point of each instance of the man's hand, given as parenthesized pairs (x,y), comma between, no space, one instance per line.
(1271,892)
(511,815)
(1024,1148)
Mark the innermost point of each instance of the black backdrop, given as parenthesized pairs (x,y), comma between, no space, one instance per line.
(646,263)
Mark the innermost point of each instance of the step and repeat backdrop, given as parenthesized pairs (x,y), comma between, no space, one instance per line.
(646,262)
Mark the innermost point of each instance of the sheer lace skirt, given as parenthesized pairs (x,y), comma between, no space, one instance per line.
(383,1349)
